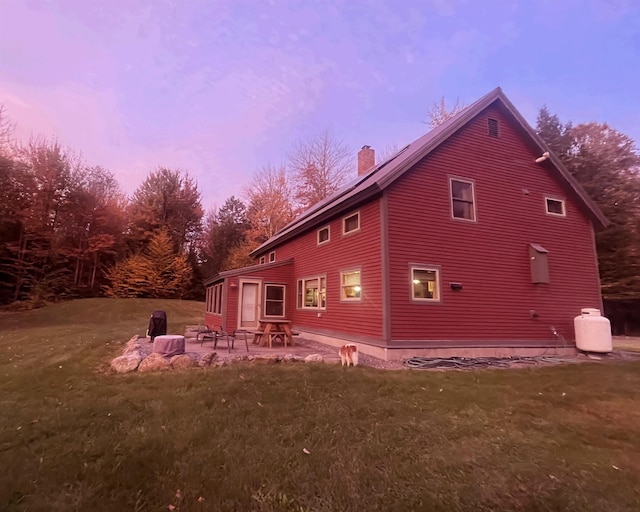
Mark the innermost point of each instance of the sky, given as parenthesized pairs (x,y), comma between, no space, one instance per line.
(221,88)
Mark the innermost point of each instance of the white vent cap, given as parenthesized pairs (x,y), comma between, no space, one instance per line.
(590,311)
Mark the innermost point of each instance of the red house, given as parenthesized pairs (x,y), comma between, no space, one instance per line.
(472,240)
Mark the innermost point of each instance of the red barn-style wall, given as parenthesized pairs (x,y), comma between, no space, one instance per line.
(358,250)
(488,299)
(489,257)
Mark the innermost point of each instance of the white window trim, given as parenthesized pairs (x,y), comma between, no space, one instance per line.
(561,201)
(284,300)
(473,196)
(272,256)
(345,233)
(432,268)
(262,260)
(350,271)
(328,228)
(300,285)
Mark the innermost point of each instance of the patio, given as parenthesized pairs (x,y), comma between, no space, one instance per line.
(301,349)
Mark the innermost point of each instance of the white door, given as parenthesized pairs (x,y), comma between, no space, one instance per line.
(249,305)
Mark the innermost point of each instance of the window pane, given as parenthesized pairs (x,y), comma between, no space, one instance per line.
(462,210)
(275,292)
(323,292)
(311,293)
(274,308)
(274,301)
(323,235)
(554,206)
(351,223)
(351,278)
(351,285)
(425,284)
(461,190)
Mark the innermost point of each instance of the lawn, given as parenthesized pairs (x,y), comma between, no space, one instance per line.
(74,436)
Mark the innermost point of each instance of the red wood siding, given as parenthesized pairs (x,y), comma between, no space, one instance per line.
(268,275)
(489,257)
(355,250)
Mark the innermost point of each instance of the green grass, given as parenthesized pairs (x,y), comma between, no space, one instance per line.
(73,436)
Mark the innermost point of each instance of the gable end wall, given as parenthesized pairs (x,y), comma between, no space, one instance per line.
(489,257)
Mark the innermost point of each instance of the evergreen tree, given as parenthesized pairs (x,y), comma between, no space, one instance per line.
(606,163)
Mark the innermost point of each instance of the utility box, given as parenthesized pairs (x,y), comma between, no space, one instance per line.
(539,259)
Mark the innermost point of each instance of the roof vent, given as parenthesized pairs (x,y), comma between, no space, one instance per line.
(492,127)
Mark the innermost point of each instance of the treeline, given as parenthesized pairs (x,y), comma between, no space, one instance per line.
(607,164)
(68,230)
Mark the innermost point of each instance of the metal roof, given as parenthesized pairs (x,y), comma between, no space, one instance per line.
(384,174)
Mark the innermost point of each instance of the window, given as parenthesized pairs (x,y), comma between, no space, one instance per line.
(209,300)
(274,300)
(425,284)
(323,235)
(350,285)
(555,207)
(462,199)
(262,260)
(351,223)
(214,299)
(272,256)
(312,293)
(492,127)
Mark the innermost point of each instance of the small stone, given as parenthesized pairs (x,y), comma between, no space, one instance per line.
(314,358)
(266,358)
(207,358)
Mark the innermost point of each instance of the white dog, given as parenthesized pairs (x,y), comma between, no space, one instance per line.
(349,354)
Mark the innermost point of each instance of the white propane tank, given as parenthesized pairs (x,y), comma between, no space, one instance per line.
(593,331)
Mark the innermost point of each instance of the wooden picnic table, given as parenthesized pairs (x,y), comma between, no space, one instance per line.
(271,328)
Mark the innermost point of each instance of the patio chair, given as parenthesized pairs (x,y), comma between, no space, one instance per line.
(233,335)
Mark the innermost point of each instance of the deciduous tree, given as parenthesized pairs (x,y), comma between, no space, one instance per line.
(225,230)
(7,128)
(170,200)
(439,113)
(319,166)
(270,200)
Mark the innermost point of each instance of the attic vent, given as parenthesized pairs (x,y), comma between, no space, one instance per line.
(492,127)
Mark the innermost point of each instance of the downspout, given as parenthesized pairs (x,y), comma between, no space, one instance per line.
(384,262)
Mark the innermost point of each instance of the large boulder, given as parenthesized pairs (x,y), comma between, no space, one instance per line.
(126,363)
(314,358)
(154,362)
(131,347)
(182,362)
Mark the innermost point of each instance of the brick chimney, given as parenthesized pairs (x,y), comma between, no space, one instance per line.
(366,159)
